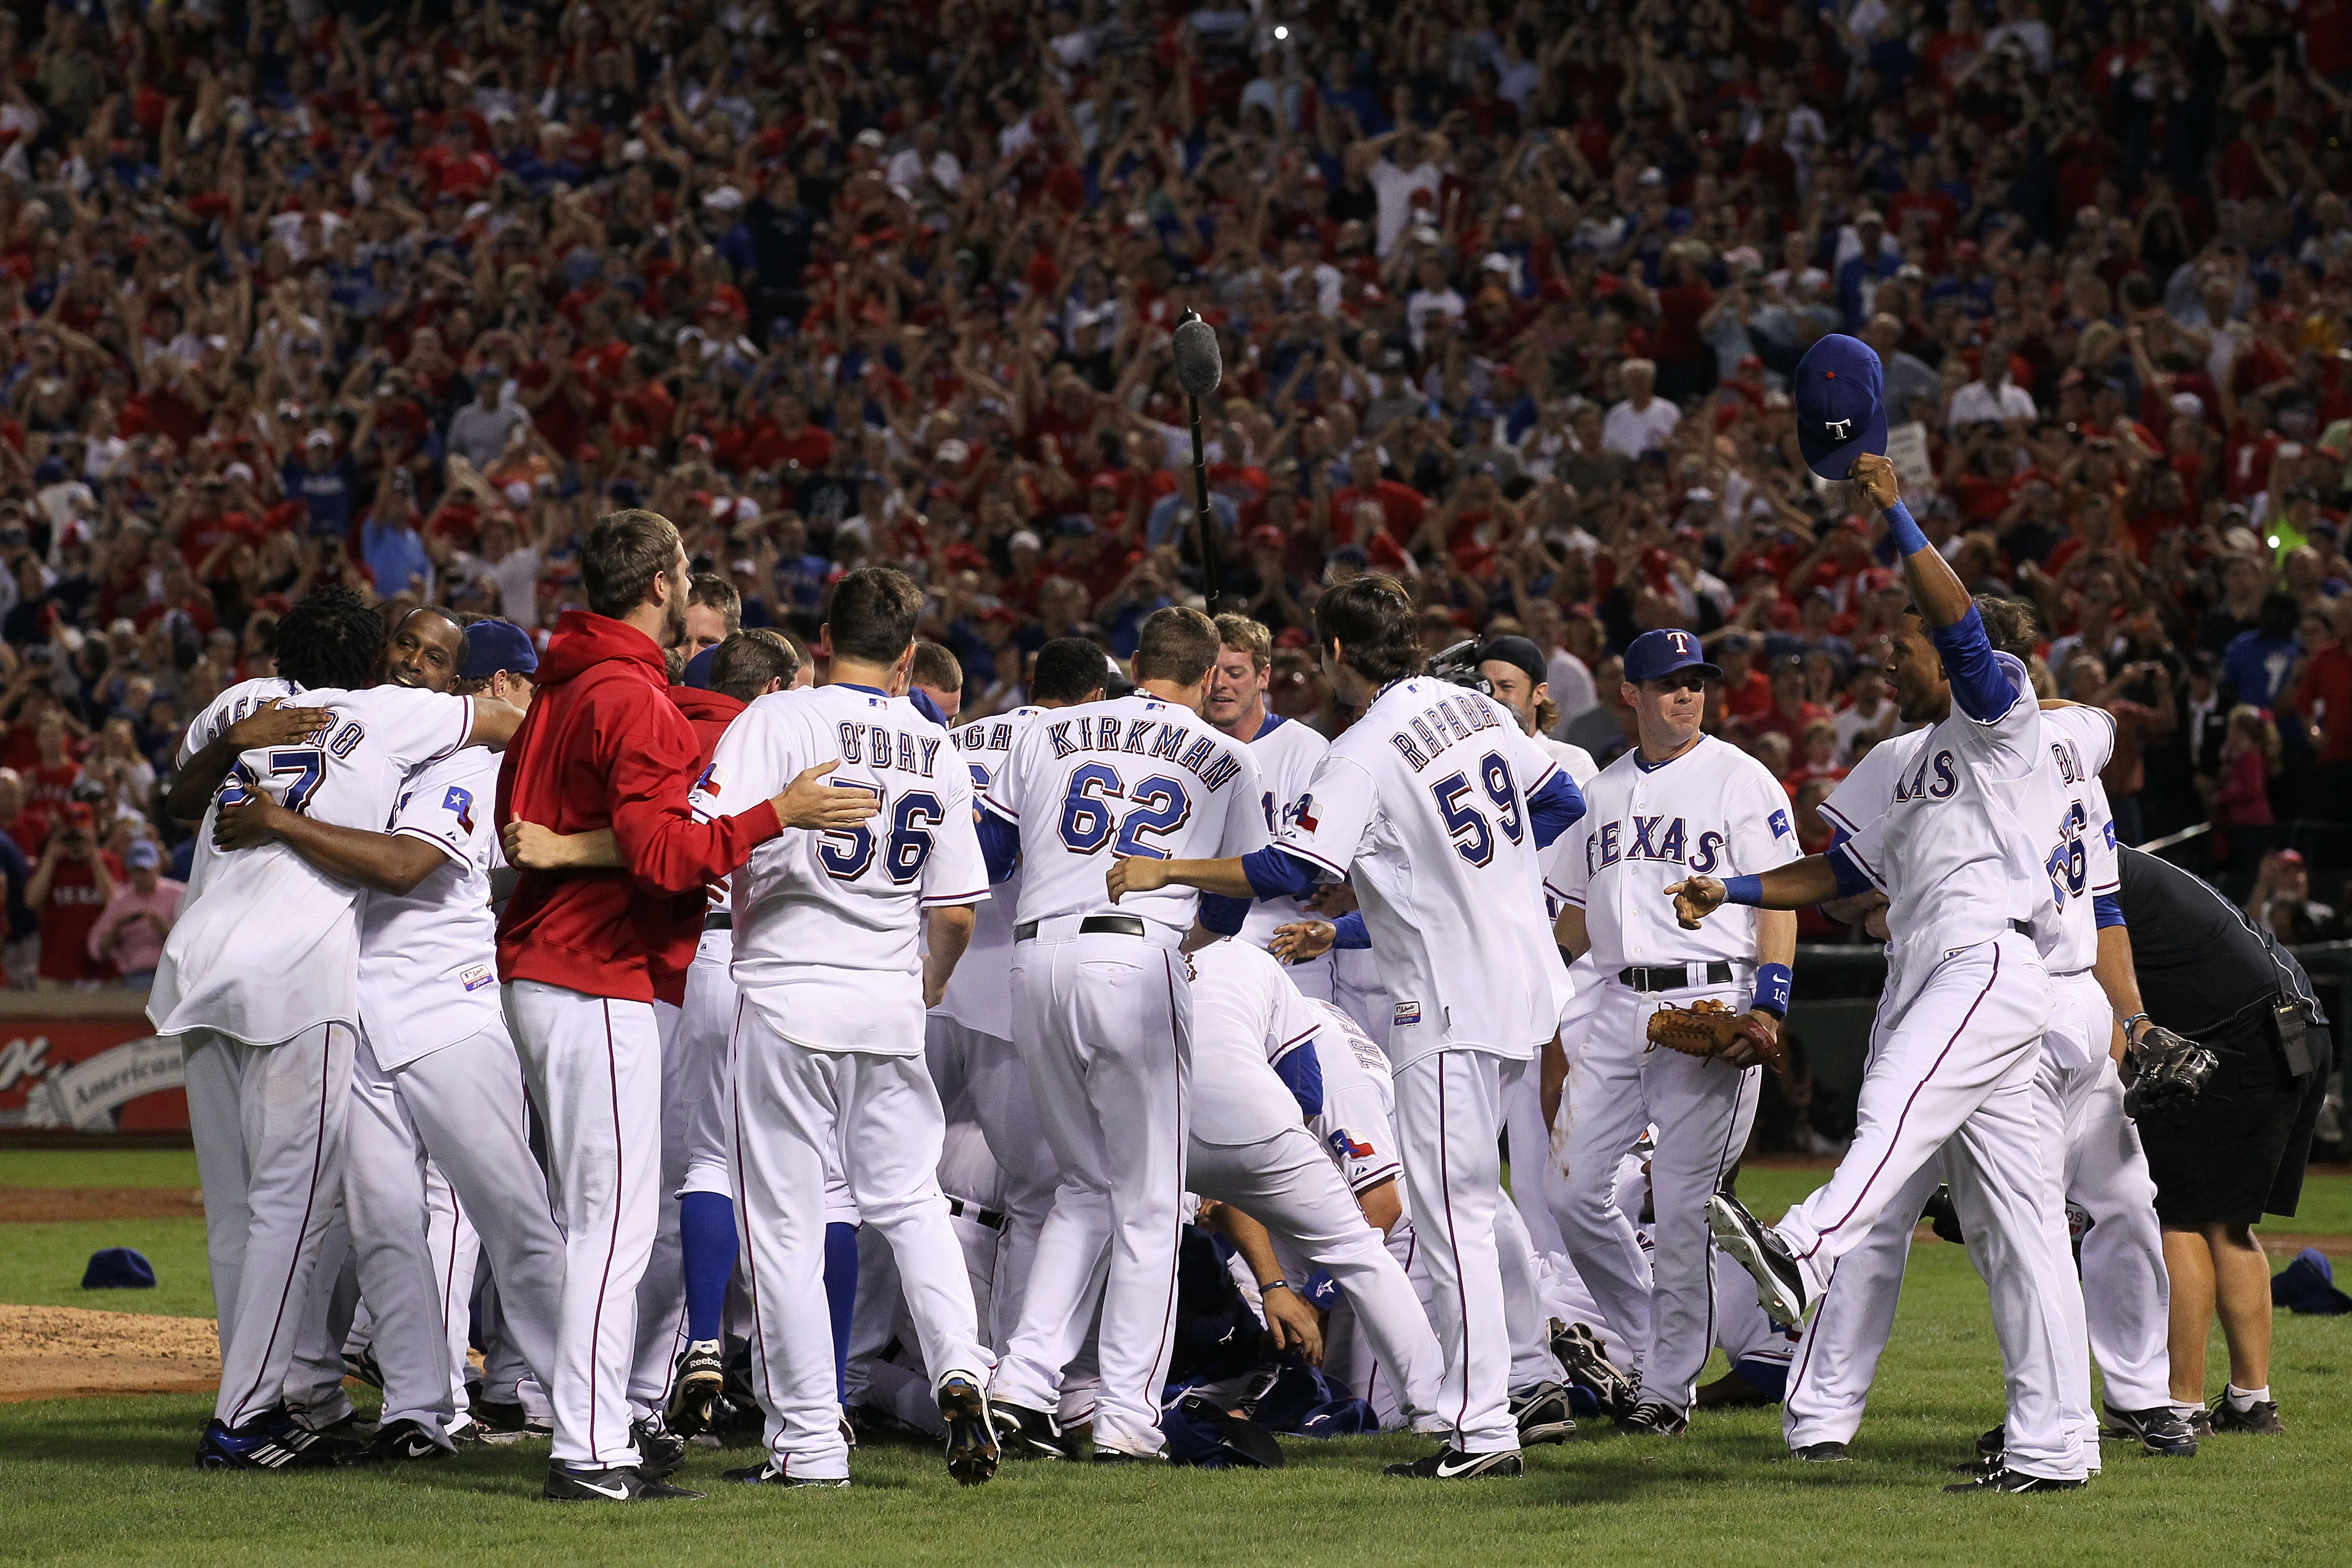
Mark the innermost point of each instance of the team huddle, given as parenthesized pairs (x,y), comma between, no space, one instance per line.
(757,1053)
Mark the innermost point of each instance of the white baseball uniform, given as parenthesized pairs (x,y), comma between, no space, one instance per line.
(1102,1016)
(1957,843)
(969,1043)
(1286,753)
(259,978)
(1251,1148)
(828,1038)
(1712,811)
(1425,803)
(437,1092)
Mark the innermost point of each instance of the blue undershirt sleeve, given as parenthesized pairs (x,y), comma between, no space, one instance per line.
(1556,807)
(2109,909)
(1979,686)
(1000,846)
(1275,874)
(1350,931)
(1224,915)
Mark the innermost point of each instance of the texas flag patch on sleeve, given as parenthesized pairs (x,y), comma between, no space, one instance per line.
(1305,818)
(1779,821)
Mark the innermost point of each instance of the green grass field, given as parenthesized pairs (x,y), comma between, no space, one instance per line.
(103,1481)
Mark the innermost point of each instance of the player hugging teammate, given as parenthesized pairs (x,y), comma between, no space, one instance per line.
(922,1121)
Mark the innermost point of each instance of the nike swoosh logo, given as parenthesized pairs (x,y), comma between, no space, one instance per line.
(618,1491)
(420,1446)
(1447,1472)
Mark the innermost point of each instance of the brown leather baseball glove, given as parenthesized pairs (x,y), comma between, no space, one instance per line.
(1710,1028)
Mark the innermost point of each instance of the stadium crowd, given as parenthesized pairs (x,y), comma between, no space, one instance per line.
(402,296)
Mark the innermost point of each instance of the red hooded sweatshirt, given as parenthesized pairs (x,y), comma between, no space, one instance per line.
(604,746)
(709,712)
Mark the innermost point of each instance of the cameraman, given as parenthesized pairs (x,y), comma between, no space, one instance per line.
(69,889)
(2237,1151)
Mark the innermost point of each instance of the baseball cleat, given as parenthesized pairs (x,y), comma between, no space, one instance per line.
(467,1433)
(1612,1388)
(1027,1434)
(1781,1286)
(2160,1429)
(2261,1418)
(1821,1453)
(509,1423)
(1451,1464)
(973,1450)
(362,1364)
(399,1442)
(701,1378)
(2007,1480)
(770,1475)
(1651,1418)
(614,1483)
(1543,1414)
(1991,1447)
(1104,1455)
(272,1440)
(659,1453)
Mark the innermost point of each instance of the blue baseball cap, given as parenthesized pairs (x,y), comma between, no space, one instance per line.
(1840,394)
(492,647)
(1663,651)
(697,668)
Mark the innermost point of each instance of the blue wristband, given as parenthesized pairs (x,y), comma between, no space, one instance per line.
(1772,981)
(1743,891)
(1905,531)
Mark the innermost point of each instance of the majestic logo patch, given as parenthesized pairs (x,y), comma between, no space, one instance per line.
(1407,1013)
(473,977)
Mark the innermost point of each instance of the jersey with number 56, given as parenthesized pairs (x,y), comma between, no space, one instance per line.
(267,945)
(1425,798)
(828,925)
(1134,776)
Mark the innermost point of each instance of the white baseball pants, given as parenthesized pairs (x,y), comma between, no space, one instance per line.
(1449,1114)
(1104,1025)
(1357,991)
(1288,1185)
(1703,1110)
(2126,1294)
(661,1289)
(991,1071)
(1957,1065)
(594,1063)
(268,1126)
(795,1109)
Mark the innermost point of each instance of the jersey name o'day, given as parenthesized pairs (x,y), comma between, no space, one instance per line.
(1427,735)
(1157,739)
(881,748)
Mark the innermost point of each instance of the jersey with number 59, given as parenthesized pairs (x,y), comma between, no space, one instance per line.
(828,925)
(979,992)
(1426,798)
(1132,776)
(267,945)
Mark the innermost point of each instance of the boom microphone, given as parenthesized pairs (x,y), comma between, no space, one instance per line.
(1199,366)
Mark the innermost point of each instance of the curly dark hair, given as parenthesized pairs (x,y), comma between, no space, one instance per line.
(331,639)
(1372,619)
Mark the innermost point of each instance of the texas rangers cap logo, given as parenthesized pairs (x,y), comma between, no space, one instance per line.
(1682,641)
(1839,393)
(1838,428)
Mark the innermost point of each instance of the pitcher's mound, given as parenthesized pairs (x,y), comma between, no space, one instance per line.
(70,1352)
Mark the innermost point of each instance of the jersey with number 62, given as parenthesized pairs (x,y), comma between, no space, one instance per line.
(1425,798)
(828,925)
(1134,776)
(267,945)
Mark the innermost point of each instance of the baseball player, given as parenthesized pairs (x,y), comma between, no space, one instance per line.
(437,1092)
(828,1034)
(2090,1149)
(1439,804)
(1959,852)
(1286,755)
(259,980)
(1680,801)
(584,953)
(969,1036)
(1102,1016)
(1256,1071)
(1515,671)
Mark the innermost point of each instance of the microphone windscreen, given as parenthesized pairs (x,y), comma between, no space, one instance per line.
(1199,364)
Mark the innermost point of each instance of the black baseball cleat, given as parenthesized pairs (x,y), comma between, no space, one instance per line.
(1453,1464)
(1027,1434)
(362,1364)
(2200,1422)
(1612,1388)
(659,1453)
(400,1442)
(1781,1286)
(504,1424)
(2160,1429)
(1107,1455)
(973,1450)
(1991,1445)
(272,1440)
(1653,1419)
(701,1378)
(614,1483)
(769,1475)
(1821,1453)
(1542,1414)
(2008,1481)
(2261,1418)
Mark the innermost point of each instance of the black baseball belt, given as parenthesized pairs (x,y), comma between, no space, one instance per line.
(718,919)
(1673,976)
(994,1219)
(1093,925)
